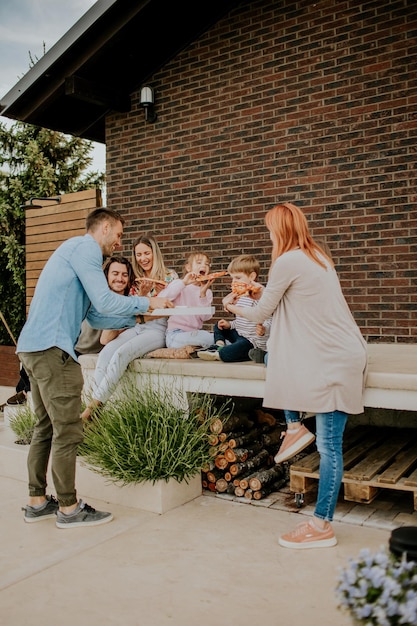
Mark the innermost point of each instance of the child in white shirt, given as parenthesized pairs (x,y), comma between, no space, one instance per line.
(234,339)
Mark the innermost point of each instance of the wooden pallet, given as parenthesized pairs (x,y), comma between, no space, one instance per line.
(374,458)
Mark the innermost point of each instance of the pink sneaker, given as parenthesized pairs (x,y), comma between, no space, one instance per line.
(307,535)
(294,442)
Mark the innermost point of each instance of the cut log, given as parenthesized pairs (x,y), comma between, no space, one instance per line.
(237,421)
(214,475)
(213,439)
(273,438)
(216,426)
(221,485)
(244,483)
(256,461)
(268,489)
(231,456)
(265,477)
(240,455)
(251,437)
(221,462)
(246,478)
(265,418)
(239,492)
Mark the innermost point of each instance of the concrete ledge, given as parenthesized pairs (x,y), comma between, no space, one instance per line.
(391,381)
(392,366)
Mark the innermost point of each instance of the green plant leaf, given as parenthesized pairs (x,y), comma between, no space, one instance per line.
(148,435)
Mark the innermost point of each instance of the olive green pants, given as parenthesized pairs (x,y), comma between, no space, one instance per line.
(56,383)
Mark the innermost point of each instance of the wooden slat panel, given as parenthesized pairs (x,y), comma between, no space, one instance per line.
(354,444)
(412,479)
(362,448)
(68,221)
(377,459)
(402,464)
(46,240)
(391,451)
(50,225)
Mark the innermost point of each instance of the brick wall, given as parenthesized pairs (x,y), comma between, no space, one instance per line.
(313,103)
(9,366)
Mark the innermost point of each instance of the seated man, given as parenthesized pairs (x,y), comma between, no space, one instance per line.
(120,276)
(119,273)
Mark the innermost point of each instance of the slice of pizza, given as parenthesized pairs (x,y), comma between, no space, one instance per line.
(205,277)
(245,289)
(151,280)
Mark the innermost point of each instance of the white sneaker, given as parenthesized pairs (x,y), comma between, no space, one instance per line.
(210,354)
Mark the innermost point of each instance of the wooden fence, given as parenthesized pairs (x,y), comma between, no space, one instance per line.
(48,224)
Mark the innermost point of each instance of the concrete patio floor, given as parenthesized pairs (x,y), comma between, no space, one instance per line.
(206,562)
(212,561)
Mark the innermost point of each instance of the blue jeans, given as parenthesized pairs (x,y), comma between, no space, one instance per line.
(113,360)
(238,347)
(179,338)
(329,440)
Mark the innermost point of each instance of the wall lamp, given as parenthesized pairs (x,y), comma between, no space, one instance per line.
(147,101)
(40,206)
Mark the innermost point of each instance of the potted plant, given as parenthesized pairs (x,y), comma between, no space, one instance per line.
(22,424)
(148,439)
(379,589)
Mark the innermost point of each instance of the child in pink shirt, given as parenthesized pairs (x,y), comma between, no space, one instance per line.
(187,330)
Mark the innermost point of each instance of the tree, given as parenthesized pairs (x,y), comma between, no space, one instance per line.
(34,162)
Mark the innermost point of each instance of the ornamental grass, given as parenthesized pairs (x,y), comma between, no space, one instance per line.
(149,435)
(23,424)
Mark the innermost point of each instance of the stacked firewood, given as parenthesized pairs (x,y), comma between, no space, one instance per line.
(243,449)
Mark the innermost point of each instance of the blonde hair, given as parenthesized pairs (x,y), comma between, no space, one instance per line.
(289,229)
(196,254)
(245,263)
(159,270)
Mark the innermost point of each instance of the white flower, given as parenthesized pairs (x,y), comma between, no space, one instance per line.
(378,589)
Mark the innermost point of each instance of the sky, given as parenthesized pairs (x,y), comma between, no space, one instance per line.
(25,26)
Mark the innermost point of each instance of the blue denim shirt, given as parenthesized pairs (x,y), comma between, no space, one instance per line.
(72,286)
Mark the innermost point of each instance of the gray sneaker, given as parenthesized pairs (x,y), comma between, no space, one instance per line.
(257,355)
(83,515)
(48,511)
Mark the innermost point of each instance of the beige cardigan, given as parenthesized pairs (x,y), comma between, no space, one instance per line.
(317,357)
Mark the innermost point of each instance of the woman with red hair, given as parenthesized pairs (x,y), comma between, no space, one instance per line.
(316,359)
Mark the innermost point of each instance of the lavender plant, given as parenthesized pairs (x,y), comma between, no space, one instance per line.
(379,589)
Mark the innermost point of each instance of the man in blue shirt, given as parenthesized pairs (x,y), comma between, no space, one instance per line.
(72,287)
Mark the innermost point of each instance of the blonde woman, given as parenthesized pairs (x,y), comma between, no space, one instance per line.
(147,335)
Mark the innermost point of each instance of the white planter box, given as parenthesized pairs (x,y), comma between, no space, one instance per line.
(157,498)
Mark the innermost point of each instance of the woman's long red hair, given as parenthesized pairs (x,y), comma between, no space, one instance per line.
(289,229)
